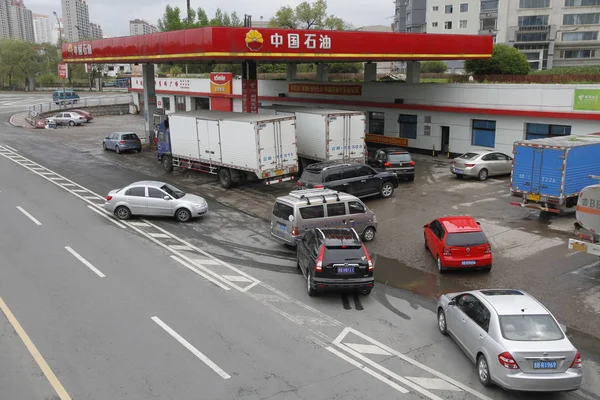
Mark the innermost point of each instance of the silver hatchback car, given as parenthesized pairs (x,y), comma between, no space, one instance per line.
(513,339)
(481,164)
(154,198)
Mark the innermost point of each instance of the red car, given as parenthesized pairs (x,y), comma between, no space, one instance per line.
(88,116)
(458,242)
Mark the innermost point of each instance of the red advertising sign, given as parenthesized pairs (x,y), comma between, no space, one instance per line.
(250,96)
(394,141)
(63,72)
(339,90)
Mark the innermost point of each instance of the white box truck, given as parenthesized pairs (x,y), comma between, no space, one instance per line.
(588,218)
(326,134)
(233,145)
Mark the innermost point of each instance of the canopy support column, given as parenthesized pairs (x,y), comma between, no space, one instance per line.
(291,71)
(370,71)
(149,99)
(413,72)
(249,87)
(322,72)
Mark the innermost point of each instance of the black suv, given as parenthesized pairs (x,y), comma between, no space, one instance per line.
(394,159)
(334,259)
(356,179)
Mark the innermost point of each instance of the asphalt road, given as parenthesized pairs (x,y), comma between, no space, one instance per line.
(248,312)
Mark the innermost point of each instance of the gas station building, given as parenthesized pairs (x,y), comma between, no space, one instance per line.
(443,117)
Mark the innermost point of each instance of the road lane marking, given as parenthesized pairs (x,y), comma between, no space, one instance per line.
(41,362)
(191,348)
(195,270)
(433,383)
(108,217)
(38,223)
(367,370)
(10,148)
(85,262)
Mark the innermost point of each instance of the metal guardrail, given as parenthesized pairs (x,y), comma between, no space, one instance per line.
(38,109)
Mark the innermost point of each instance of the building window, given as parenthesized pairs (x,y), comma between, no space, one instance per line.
(578,54)
(464,7)
(577,36)
(448,25)
(435,8)
(463,23)
(179,103)
(533,20)
(448,9)
(434,24)
(484,133)
(489,5)
(581,19)
(534,3)
(376,123)
(540,131)
(408,126)
(581,3)
(532,37)
(166,103)
(488,24)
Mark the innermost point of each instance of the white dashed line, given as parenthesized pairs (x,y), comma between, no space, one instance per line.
(35,221)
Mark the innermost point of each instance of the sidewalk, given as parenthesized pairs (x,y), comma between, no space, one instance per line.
(440,159)
(20,120)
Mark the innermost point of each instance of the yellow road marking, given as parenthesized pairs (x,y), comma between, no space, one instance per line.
(54,382)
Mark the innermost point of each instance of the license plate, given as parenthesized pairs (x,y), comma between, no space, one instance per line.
(469,262)
(281,227)
(544,365)
(345,270)
(278,172)
(534,197)
(458,171)
(580,247)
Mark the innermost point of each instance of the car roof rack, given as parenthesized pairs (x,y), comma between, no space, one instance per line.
(314,193)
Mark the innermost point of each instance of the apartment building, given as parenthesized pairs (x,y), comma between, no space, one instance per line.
(16,21)
(96,31)
(453,16)
(141,27)
(76,17)
(42,28)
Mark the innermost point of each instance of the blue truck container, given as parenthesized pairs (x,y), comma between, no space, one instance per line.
(549,173)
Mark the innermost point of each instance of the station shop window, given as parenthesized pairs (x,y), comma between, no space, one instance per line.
(179,103)
(408,126)
(166,101)
(540,131)
(376,123)
(483,133)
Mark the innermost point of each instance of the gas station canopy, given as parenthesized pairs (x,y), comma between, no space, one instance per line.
(225,44)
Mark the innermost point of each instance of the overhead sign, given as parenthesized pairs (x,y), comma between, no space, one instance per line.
(289,40)
(587,100)
(79,49)
(339,90)
(63,71)
(220,82)
(394,141)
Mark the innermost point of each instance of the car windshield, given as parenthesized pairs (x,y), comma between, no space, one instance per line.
(465,239)
(469,156)
(529,328)
(129,136)
(173,191)
(349,254)
(311,176)
(399,157)
(282,211)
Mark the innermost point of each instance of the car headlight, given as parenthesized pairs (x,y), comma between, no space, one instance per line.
(198,205)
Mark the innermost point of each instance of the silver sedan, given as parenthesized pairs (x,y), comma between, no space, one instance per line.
(154,198)
(481,164)
(513,339)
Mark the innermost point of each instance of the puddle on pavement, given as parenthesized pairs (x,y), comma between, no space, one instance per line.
(392,272)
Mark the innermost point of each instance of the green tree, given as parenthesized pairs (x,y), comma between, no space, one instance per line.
(434,67)
(505,60)
(20,61)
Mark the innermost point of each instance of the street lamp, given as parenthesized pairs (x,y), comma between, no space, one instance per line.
(60,43)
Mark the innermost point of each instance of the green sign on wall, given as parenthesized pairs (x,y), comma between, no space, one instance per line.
(587,100)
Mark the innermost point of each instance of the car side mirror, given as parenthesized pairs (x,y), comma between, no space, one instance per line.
(426,226)
(478,223)
(166,198)
(452,303)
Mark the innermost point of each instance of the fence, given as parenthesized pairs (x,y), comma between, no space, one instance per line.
(38,109)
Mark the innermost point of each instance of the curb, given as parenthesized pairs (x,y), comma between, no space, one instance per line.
(10,121)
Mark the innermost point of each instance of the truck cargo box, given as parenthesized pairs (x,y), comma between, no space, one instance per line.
(588,218)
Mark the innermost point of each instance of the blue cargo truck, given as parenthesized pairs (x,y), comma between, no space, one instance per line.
(549,173)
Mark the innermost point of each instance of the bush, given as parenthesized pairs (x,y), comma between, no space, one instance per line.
(505,60)
(47,79)
(578,70)
(433,67)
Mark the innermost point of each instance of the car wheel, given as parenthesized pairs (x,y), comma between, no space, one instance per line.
(123,212)
(118,149)
(183,215)
(387,189)
(483,371)
(311,291)
(368,234)
(167,163)
(104,146)
(441,268)
(459,176)
(225,178)
(483,174)
(71,123)
(442,322)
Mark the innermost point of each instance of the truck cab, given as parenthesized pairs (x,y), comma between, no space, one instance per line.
(163,143)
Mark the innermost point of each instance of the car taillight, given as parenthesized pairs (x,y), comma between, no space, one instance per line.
(295,231)
(577,361)
(319,263)
(469,165)
(447,251)
(299,184)
(488,249)
(453,162)
(507,361)
(108,198)
(369,262)
(318,187)
(122,142)
(387,164)
(412,163)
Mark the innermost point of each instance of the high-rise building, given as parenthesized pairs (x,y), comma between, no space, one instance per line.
(76,17)
(42,28)
(141,27)
(4,24)
(16,20)
(96,31)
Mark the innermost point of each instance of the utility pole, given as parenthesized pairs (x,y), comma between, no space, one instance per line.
(60,43)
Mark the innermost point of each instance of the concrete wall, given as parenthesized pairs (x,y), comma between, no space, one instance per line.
(97,111)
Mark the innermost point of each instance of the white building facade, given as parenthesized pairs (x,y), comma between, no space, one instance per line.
(42,28)
(96,31)
(453,16)
(141,27)
(453,118)
(76,20)
(16,21)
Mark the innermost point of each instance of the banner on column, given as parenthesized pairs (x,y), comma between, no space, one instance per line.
(220,83)
(250,96)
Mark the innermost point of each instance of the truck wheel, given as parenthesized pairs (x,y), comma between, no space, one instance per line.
(225,178)
(235,176)
(167,163)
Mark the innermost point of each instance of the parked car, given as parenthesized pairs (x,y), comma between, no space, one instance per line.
(154,198)
(68,118)
(458,242)
(396,160)
(122,141)
(356,179)
(334,259)
(513,339)
(481,164)
(300,210)
(88,115)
